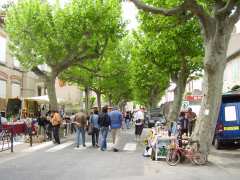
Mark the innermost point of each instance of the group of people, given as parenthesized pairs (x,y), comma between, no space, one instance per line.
(184,125)
(49,123)
(98,126)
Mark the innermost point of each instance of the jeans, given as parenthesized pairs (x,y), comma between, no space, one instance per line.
(56,134)
(104,133)
(95,136)
(127,121)
(80,134)
(73,128)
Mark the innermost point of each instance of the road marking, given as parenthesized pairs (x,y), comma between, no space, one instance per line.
(130,147)
(14,144)
(38,147)
(59,147)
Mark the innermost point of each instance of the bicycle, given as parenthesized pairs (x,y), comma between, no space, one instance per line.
(176,153)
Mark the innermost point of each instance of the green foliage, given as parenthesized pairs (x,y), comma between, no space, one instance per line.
(170,40)
(148,81)
(109,75)
(45,34)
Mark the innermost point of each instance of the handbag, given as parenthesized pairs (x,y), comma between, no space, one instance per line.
(90,129)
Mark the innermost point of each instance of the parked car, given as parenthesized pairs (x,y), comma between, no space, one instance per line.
(155,116)
(228,124)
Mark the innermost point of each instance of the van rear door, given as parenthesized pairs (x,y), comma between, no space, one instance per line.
(231,120)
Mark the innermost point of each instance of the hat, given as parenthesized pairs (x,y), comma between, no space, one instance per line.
(115,108)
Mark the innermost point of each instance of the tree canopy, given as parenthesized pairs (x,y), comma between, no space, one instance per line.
(41,33)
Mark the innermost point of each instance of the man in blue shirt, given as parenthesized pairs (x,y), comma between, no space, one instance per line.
(116,124)
(95,128)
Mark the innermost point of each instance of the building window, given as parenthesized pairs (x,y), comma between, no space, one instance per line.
(2,50)
(3,85)
(39,91)
(16,90)
(16,63)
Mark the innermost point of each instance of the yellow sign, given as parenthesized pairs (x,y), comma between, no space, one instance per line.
(231,128)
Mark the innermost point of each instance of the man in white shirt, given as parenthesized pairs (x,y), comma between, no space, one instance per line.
(139,123)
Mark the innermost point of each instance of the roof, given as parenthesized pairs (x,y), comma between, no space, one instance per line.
(231,96)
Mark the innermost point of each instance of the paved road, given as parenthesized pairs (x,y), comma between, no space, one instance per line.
(63,162)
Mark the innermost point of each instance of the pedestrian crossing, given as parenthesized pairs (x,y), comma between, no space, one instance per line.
(48,147)
(60,147)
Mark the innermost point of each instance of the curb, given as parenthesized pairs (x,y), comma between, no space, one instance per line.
(225,154)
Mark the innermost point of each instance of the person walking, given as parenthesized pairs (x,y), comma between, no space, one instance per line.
(94,128)
(81,123)
(104,124)
(116,124)
(191,116)
(139,120)
(56,122)
(127,120)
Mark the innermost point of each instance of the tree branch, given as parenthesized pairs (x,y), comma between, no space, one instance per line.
(167,12)
(205,19)
(227,8)
(234,18)
(38,72)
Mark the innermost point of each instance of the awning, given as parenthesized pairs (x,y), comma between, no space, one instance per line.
(43,99)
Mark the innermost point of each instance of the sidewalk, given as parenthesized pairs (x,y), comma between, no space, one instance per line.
(20,149)
(228,153)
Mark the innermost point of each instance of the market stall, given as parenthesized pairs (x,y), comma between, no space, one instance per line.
(157,143)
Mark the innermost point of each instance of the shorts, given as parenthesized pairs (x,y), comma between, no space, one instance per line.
(138,129)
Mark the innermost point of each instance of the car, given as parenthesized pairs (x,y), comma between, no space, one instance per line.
(155,116)
(227,130)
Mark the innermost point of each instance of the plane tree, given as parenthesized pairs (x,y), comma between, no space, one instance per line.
(60,38)
(217,19)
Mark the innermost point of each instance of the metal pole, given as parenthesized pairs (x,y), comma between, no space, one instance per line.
(11,137)
(30,136)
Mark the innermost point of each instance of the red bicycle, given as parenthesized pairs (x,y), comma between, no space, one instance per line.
(176,153)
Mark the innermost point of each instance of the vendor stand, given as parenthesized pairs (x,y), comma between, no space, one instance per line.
(157,143)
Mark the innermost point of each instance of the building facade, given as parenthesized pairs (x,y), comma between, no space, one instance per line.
(15,82)
(232,70)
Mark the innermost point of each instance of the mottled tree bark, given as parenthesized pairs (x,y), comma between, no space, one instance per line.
(86,90)
(214,66)
(181,81)
(99,102)
(50,83)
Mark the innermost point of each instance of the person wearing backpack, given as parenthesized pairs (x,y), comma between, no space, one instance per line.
(104,124)
(94,128)
(56,122)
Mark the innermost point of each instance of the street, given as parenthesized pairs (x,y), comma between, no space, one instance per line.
(49,162)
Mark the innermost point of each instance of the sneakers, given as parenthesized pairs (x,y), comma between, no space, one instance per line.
(80,147)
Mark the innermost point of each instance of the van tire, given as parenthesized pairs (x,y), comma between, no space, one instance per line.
(217,144)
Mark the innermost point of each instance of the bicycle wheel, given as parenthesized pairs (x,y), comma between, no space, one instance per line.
(199,158)
(173,157)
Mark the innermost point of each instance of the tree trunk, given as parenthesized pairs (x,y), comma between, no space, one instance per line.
(99,103)
(181,82)
(214,66)
(86,99)
(50,83)
(110,100)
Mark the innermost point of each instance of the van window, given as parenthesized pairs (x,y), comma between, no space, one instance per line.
(230,113)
